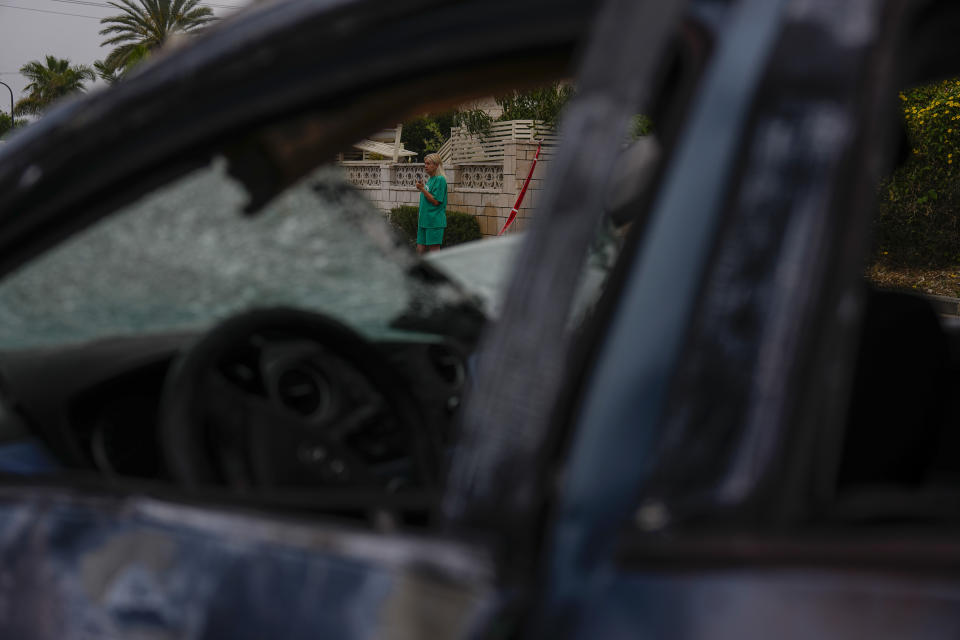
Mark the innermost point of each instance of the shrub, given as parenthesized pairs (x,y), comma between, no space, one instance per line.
(918,221)
(404,219)
(461,227)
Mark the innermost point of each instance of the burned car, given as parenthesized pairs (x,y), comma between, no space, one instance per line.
(261,416)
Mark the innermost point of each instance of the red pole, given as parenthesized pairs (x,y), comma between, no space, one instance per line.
(523,192)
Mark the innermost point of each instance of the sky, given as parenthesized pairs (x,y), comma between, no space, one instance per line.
(33,29)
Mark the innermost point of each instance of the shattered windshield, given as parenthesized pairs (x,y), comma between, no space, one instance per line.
(185,257)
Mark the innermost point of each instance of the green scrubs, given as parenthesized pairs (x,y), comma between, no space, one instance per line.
(433,217)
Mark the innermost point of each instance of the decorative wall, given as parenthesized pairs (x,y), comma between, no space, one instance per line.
(480,177)
(364,176)
(405,175)
(486,190)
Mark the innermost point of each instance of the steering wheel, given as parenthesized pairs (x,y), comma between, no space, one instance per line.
(276,398)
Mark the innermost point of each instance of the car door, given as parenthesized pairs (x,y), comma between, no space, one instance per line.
(703,494)
(88,564)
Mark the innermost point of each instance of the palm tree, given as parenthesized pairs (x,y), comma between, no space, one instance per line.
(108,75)
(49,82)
(145,25)
(112,75)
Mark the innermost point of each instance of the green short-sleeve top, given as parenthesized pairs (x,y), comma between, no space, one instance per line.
(434,216)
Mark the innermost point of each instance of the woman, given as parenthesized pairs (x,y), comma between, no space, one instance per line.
(432,219)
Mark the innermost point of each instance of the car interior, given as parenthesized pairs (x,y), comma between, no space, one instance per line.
(339,375)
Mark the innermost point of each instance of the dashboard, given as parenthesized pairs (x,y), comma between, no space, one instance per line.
(98,405)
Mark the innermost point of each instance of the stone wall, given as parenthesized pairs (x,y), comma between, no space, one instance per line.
(486,190)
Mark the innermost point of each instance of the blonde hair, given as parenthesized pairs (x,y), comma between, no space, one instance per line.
(435,157)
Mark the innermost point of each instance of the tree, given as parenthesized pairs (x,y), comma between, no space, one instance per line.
(427,133)
(542,104)
(7,124)
(145,25)
(50,81)
(108,75)
(113,75)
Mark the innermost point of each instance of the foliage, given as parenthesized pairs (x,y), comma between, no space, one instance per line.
(404,219)
(112,75)
(107,74)
(145,25)
(543,104)
(427,134)
(640,125)
(918,220)
(476,121)
(461,227)
(5,124)
(49,81)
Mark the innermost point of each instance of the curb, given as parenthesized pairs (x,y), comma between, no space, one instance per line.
(944,305)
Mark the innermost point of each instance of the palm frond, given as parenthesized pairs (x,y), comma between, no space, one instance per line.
(149,23)
(28,106)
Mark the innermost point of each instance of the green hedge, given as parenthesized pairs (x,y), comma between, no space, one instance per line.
(918,222)
(461,227)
